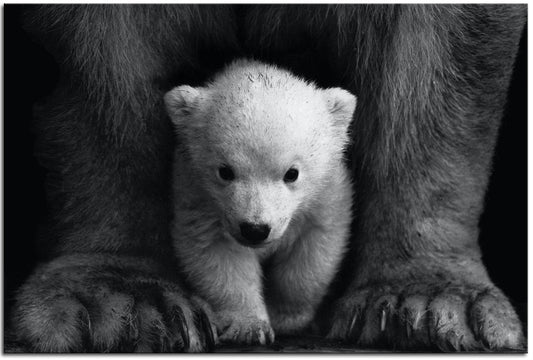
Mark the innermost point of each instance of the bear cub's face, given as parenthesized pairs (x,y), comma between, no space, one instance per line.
(263,144)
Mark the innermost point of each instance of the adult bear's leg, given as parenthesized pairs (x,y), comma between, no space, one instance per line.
(434,112)
(431,83)
(103,136)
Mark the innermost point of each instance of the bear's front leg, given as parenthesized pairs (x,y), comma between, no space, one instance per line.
(228,276)
(420,282)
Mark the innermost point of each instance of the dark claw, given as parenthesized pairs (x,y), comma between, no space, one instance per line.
(179,318)
(356,326)
(416,322)
(408,329)
(85,319)
(132,327)
(452,342)
(352,323)
(255,337)
(477,332)
(407,319)
(383,319)
(269,337)
(165,345)
(486,344)
(205,325)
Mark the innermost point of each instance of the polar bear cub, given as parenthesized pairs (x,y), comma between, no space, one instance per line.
(262,196)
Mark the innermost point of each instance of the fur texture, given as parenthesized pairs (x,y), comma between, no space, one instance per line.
(431,83)
(96,136)
(260,122)
(426,127)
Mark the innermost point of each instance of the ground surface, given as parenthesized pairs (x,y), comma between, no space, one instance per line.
(309,344)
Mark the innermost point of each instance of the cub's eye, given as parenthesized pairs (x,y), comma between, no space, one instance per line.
(226,173)
(291,175)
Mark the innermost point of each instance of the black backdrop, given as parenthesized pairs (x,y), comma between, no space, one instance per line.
(30,74)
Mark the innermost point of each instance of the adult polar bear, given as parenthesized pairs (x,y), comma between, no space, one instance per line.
(431,82)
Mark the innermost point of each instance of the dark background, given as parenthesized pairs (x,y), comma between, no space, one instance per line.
(30,74)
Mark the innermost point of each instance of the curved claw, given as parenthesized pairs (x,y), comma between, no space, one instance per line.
(408,325)
(205,325)
(383,319)
(352,323)
(356,325)
(182,327)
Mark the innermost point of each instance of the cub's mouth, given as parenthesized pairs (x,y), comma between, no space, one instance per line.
(252,244)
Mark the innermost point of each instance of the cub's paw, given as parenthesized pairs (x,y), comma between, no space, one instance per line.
(89,303)
(236,328)
(448,317)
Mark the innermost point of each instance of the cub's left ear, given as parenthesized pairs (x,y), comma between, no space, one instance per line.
(341,105)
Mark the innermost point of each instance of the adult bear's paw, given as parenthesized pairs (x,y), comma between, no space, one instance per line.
(235,327)
(97,303)
(446,316)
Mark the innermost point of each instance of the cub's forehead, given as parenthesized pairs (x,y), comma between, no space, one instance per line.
(252,107)
(262,96)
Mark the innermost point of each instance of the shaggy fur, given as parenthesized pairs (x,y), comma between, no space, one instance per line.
(431,94)
(106,143)
(261,121)
(431,82)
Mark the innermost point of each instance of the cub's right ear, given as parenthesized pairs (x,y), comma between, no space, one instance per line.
(181,102)
(341,105)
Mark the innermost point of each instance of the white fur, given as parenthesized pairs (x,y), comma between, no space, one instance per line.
(261,121)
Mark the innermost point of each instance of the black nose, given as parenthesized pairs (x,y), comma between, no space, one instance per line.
(255,233)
